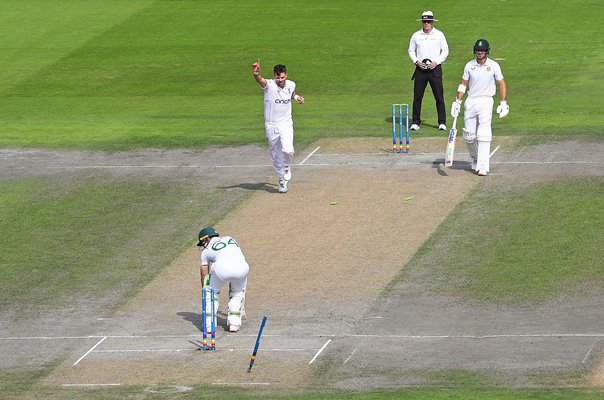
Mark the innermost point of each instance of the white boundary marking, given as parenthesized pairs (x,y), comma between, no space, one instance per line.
(91,349)
(319,352)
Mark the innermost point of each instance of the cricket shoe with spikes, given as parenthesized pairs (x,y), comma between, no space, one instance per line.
(282,186)
(482,172)
(233,328)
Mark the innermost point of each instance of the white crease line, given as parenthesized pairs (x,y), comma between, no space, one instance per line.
(90,384)
(520,152)
(240,383)
(588,353)
(351,354)
(49,337)
(310,155)
(103,337)
(89,351)
(550,162)
(319,352)
(159,166)
(144,350)
(596,334)
(496,148)
(123,166)
(196,349)
(495,336)
(244,166)
(196,335)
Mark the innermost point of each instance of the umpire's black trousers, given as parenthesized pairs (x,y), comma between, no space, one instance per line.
(421,78)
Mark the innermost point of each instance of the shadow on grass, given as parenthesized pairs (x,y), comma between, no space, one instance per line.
(267,187)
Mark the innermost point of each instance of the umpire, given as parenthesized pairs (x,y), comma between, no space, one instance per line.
(428,49)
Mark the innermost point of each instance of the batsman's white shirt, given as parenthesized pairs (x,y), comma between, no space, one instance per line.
(278,102)
(482,78)
(226,258)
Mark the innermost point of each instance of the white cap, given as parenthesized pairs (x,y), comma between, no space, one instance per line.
(427,16)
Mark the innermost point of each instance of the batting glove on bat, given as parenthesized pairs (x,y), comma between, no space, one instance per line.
(455,108)
(503,109)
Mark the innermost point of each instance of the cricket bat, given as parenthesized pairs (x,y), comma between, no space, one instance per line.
(451,144)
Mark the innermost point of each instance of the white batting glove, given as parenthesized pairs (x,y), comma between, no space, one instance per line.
(503,109)
(455,108)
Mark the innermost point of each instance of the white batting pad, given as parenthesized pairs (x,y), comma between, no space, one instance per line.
(484,154)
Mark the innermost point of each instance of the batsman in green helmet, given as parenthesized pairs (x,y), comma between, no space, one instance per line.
(223,262)
(480,78)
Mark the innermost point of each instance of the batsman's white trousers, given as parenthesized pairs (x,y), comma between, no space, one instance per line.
(236,276)
(280,138)
(477,116)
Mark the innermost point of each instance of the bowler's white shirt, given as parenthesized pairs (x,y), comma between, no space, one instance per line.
(481,78)
(278,102)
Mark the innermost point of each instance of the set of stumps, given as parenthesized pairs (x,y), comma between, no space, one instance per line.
(208,294)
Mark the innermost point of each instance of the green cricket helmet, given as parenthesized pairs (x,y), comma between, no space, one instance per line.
(482,45)
(205,233)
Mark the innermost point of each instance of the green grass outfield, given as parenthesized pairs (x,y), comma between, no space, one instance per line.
(135,73)
(119,75)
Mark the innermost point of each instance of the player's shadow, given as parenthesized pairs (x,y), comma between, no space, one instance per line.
(424,124)
(439,165)
(195,319)
(267,187)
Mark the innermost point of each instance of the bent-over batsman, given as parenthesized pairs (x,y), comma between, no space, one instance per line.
(222,262)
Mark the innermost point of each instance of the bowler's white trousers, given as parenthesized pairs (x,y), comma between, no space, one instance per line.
(280,138)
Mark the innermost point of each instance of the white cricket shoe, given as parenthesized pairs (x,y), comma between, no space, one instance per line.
(414,127)
(233,328)
(442,127)
(282,186)
(482,172)
(288,173)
